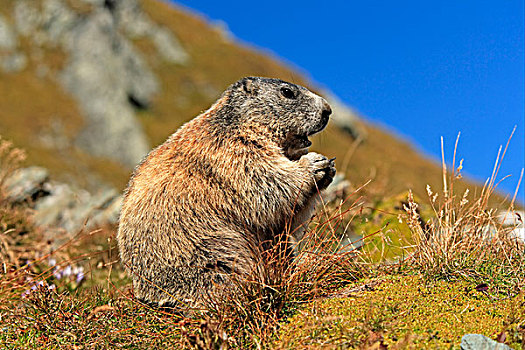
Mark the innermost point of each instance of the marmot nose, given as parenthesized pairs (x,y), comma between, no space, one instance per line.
(326,112)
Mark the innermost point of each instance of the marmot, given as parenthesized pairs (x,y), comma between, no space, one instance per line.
(198,206)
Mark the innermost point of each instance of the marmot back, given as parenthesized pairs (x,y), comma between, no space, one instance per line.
(198,207)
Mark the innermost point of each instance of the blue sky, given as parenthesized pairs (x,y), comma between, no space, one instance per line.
(422,69)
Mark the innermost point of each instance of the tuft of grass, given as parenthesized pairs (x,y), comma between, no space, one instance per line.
(68,298)
(92,318)
(462,271)
(464,239)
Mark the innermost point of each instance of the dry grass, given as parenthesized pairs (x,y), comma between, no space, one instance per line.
(13,221)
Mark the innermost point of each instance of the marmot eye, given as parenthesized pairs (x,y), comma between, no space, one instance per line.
(288,93)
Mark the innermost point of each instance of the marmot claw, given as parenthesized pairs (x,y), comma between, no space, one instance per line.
(323,169)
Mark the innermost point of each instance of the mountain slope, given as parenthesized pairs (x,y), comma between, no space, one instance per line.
(160,65)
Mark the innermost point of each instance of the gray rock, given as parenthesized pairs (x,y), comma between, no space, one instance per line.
(52,210)
(8,40)
(514,223)
(104,73)
(169,47)
(510,223)
(350,242)
(481,342)
(73,209)
(27,17)
(61,207)
(513,219)
(26,183)
(89,207)
(14,63)
(338,189)
(137,24)
(108,213)
(57,20)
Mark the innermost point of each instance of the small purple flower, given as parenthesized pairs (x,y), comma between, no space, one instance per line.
(79,273)
(52,262)
(80,277)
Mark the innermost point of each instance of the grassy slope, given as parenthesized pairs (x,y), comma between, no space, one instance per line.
(386,308)
(402,311)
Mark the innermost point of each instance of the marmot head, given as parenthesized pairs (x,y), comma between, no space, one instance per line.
(290,112)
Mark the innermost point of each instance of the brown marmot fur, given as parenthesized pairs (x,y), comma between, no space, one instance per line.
(199,206)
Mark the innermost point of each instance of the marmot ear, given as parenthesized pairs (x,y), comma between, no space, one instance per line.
(250,86)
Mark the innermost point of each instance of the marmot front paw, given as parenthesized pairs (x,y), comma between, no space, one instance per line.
(323,169)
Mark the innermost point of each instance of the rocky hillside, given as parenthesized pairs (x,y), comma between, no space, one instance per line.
(87,87)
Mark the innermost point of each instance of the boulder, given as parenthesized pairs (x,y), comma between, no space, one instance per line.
(75,209)
(60,207)
(509,222)
(8,39)
(481,342)
(514,222)
(26,184)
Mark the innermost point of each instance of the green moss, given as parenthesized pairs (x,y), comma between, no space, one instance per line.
(407,311)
